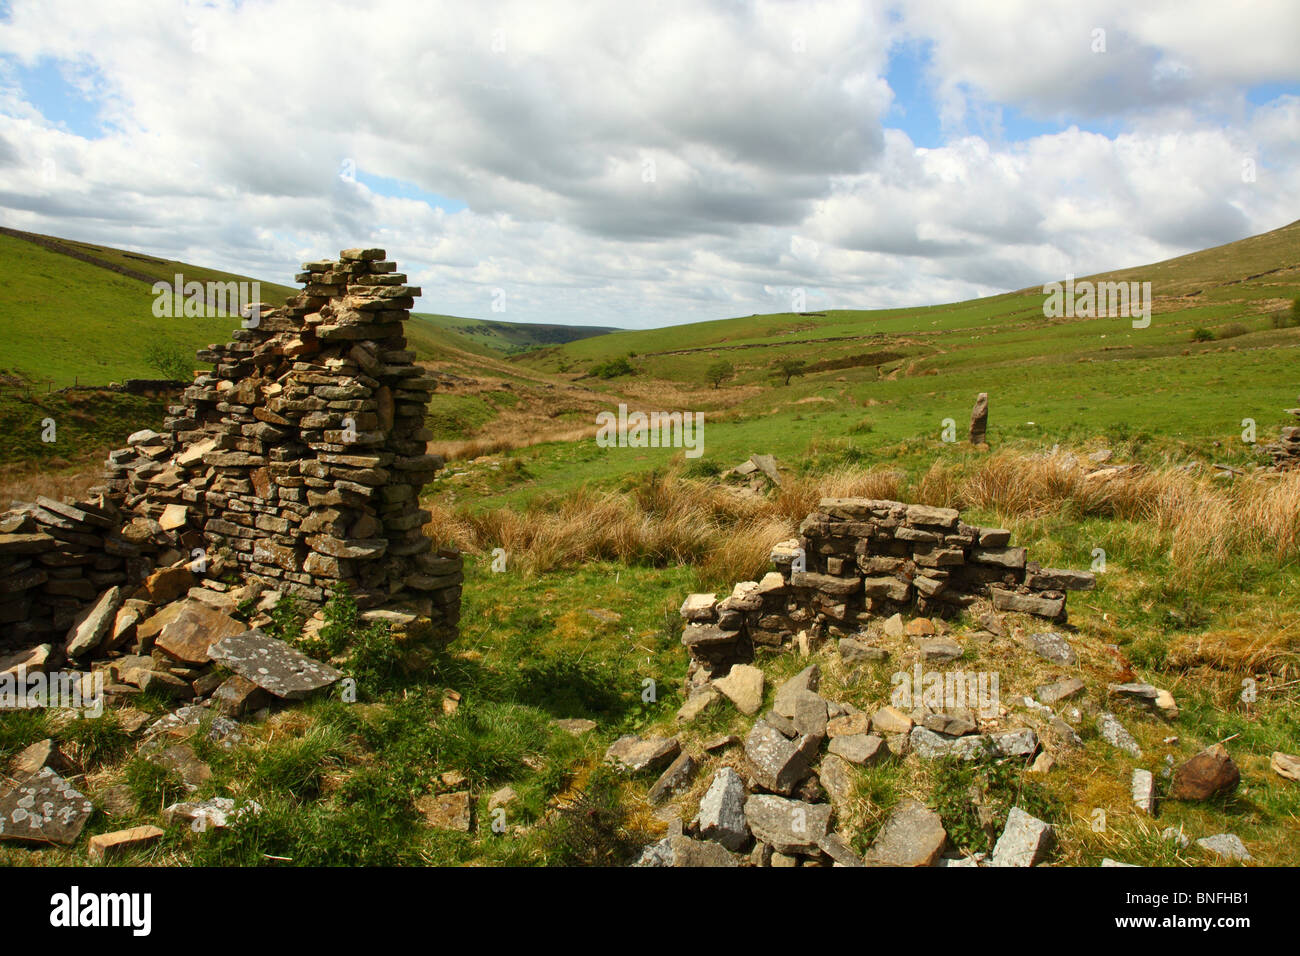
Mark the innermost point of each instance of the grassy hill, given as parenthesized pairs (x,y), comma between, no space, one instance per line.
(1216,352)
(77,312)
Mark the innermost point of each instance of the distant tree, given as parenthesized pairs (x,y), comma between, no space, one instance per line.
(789,368)
(719,372)
(169,361)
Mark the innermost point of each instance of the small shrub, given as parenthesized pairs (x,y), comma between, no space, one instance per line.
(613,368)
(1202,334)
(592,829)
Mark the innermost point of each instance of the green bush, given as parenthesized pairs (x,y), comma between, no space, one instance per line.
(613,368)
(1202,335)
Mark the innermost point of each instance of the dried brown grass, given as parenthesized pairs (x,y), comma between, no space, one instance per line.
(668,518)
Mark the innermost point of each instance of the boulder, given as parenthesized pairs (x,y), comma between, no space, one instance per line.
(1211,773)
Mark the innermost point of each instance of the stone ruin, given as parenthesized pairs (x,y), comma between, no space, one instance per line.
(293,466)
(1285,452)
(858,558)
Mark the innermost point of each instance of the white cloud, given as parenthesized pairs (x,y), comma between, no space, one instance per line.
(640,165)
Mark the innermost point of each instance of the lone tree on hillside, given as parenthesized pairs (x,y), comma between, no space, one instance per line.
(719,372)
(789,368)
(169,361)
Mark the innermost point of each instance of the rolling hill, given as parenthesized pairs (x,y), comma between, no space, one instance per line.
(79,313)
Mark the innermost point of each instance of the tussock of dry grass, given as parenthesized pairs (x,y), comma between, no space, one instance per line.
(666,519)
(505,439)
(1205,519)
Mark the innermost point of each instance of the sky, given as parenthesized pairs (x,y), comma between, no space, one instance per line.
(644,165)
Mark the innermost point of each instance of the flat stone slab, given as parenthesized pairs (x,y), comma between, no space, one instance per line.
(44,808)
(858,748)
(1052,646)
(447,811)
(273,665)
(215,812)
(634,755)
(779,763)
(682,851)
(912,836)
(1115,734)
(788,826)
(105,845)
(92,625)
(1059,690)
(190,631)
(673,780)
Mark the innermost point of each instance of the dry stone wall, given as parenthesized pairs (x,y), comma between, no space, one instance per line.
(1285,452)
(859,558)
(296,463)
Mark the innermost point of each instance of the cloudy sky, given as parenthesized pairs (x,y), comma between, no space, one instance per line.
(638,165)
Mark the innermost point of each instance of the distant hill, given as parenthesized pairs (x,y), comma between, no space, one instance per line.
(1239,283)
(513,337)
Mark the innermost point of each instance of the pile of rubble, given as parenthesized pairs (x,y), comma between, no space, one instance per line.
(213,666)
(796,770)
(857,559)
(55,557)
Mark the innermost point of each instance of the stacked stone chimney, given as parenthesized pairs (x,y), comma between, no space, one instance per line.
(300,457)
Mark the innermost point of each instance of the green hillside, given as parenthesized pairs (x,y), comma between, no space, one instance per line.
(63,320)
(77,312)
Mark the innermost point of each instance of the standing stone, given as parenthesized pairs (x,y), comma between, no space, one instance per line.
(92,625)
(979,419)
(1024,840)
(722,810)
